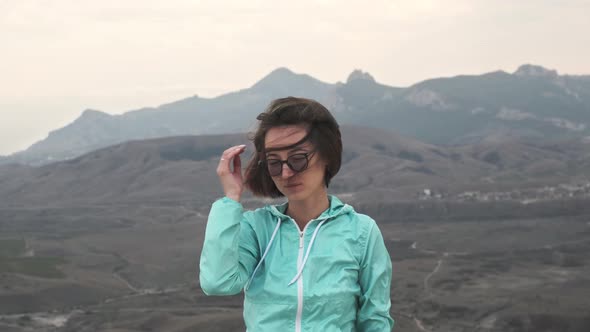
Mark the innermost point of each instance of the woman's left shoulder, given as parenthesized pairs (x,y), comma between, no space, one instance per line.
(350,212)
(363,219)
(355,220)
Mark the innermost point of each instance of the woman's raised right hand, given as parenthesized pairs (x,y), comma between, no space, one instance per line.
(231,179)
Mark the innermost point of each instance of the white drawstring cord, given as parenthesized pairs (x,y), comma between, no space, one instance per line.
(265,252)
(307,252)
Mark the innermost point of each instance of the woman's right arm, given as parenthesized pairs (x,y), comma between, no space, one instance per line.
(230,250)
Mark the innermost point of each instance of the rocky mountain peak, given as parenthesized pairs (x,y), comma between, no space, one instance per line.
(358,74)
(279,75)
(93,114)
(528,70)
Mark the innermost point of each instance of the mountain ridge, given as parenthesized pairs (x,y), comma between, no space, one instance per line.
(531,103)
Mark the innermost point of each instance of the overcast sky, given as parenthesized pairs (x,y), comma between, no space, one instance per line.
(59,57)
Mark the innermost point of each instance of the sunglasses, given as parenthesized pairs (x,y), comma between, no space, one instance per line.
(297,163)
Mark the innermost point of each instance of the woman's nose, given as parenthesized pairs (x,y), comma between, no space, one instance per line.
(287,171)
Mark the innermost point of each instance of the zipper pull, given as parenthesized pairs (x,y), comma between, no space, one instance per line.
(300,240)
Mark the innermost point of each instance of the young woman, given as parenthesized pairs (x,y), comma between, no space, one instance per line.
(310,264)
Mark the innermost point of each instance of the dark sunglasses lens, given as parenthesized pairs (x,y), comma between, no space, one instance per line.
(297,162)
(275,167)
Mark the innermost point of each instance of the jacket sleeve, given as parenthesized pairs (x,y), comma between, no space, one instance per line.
(375,282)
(230,249)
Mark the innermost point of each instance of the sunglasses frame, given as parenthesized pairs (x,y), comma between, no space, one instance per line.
(308,156)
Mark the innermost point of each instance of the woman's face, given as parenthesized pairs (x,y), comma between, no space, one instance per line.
(295,185)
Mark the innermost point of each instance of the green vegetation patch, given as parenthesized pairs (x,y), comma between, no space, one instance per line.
(12,247)
(45,267)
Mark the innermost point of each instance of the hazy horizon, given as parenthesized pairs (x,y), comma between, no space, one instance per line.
(62,57)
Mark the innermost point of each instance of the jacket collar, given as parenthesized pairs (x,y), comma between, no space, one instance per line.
(336,208)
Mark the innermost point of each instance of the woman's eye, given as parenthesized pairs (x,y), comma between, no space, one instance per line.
(297,157)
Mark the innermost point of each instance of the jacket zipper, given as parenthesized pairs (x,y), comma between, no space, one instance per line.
(299,285)
(299,315)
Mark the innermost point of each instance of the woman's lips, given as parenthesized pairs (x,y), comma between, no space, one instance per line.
(292,185)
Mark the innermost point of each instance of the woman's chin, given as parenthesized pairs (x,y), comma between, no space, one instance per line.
(294,193)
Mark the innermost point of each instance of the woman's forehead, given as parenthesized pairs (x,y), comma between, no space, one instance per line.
(279,138)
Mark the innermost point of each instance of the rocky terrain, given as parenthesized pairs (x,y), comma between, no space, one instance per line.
(488,237)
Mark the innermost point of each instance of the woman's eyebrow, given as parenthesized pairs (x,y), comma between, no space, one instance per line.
(297,149)
(289,152)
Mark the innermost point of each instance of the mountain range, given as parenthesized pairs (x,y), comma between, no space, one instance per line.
(530,104)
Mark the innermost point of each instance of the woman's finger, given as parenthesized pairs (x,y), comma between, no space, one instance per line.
(238,164)
(226,157)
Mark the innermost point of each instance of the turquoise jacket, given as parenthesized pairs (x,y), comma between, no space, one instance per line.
(335,275)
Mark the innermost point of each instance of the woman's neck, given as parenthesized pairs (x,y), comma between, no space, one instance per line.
(306,210)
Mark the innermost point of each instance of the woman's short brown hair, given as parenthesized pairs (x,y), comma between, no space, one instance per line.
(322,132)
